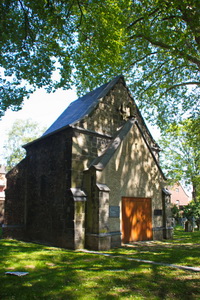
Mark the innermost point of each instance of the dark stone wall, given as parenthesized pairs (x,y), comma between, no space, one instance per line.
(39,206)
(50,207)
(14,202)
(2,202)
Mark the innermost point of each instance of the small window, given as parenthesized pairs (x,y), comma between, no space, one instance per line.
(177,190)
(177,202)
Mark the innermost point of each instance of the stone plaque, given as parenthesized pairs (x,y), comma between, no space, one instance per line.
(157,212)
(114,211)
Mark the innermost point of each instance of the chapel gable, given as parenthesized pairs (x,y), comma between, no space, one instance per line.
(112,112)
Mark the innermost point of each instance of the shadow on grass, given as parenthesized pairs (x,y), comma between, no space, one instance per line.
(61,274)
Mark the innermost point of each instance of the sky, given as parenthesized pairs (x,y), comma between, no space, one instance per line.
(44,109)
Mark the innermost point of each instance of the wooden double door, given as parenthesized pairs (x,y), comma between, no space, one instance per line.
(136,219)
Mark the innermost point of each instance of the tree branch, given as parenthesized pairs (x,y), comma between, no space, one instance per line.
(28,31)
(82,14)
(142,58)
(142,18)
(172,70)
(162,45)
(182,84)
(151,41)
(146,77)
(192,19)
(170,17)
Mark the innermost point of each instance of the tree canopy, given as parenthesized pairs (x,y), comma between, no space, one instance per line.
(154,43)
(191,211)
(21,133)
(180,157)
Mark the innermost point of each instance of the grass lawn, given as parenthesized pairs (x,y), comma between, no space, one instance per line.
(62,274)
(184,249)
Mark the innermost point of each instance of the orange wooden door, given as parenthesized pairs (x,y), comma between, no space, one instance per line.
(136,219)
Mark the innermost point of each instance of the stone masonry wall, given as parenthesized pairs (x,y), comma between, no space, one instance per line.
(50,207)
(90,141)
(132,172)
(113,111)
(86,147)
(110,114)
(14,218)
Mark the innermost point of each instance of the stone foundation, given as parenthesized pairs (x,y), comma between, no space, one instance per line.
(13,231)
(157,233)
(115,239)
(168,233)
(160,233)
(99,242)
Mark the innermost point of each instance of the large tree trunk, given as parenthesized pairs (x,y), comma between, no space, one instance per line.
(194,193)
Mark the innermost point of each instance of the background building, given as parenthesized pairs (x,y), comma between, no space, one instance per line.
(179,195)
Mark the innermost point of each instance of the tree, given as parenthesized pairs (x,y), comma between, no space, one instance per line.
(176,213)
(154,43)
(21,133)
(192,210)
(181,153)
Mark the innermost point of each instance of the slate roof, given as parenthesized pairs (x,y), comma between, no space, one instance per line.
(81,107)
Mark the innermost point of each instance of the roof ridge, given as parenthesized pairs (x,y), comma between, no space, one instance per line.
(81,107)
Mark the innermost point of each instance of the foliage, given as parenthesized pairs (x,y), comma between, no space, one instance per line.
(154,43)
(21,133)
(62,274)
(175,212)
(192,210)
(180,157)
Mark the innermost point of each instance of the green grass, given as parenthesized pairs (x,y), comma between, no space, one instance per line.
(62,274)
(184,249)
